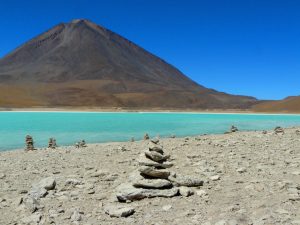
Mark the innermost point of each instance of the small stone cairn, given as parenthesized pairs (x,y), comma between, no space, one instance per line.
(52,143)
(279,130)
(29,143)
(80,144)
(152,178)
(232,129)
(146,137)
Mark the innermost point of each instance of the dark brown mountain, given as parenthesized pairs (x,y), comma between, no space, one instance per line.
(288,105)
(83,64)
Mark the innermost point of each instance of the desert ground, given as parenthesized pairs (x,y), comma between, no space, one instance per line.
(248,178)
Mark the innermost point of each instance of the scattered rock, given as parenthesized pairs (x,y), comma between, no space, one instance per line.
(185,191)
(118,210)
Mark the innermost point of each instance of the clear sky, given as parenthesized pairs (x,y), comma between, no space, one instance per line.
(249,47)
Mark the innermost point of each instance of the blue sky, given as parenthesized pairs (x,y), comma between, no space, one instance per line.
(237,46)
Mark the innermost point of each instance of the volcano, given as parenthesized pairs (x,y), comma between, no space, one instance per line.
(81,64)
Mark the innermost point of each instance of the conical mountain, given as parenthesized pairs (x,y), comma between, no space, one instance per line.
(83,64)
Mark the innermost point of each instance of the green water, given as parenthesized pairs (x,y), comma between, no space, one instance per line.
(68,127)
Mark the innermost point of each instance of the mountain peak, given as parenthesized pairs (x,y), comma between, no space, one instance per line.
(82,64)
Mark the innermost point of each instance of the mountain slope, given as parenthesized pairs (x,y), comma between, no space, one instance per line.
(82,64)
(287,105)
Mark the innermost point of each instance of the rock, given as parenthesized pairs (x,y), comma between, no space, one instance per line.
(128,192)
(157,148)
(38,192)
(48,183)
(148,162)
(119,210)
(155,140)
(241,170)
(155,156)
(201,193)
(153,172)
(185,191)
(186,181)
(72,182)
(152,183)
(33,219)
(167,207)
(52,143)
(76,215)
(215,178)
(31,204)
(29,143)
(2,175)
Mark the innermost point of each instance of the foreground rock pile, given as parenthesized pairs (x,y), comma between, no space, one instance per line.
(153,177)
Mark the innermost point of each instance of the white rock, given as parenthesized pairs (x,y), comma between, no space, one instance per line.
(119,210)
(167,207)
(185,191)
(215,177)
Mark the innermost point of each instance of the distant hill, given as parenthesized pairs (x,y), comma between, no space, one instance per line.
(83,64)
(288,105)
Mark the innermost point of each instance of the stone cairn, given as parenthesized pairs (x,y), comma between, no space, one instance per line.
(153,179)
(80,144)
(52,143)
(232,129)
(146,137)
(279,130)
(29,143)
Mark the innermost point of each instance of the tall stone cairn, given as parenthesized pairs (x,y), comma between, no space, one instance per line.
(153,178)
(29,143)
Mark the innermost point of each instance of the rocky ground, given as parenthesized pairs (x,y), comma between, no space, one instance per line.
(249,178)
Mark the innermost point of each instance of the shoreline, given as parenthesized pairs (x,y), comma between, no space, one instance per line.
(146,110)
(221,112)
(94,144)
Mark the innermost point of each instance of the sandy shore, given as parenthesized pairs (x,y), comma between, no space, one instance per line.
(258,181)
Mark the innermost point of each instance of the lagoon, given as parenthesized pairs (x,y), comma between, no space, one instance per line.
(70,127)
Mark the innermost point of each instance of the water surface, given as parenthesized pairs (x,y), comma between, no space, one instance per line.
(69,127)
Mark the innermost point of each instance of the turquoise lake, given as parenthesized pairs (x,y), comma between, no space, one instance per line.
(69,127)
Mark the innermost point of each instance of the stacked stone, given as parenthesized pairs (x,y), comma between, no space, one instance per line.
(29,143)
(151,179)
(80,144)
(279,130)
(52,143)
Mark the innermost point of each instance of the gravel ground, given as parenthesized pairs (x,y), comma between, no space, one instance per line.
(249,178)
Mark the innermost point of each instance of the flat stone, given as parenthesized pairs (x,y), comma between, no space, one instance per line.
(119,210)
(148,162)
(155,140)
(155,156)
(128,192)
(155,147)
(186,181)
(152,183)
(153,172)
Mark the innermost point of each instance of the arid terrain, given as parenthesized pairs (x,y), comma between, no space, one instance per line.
(249,178)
